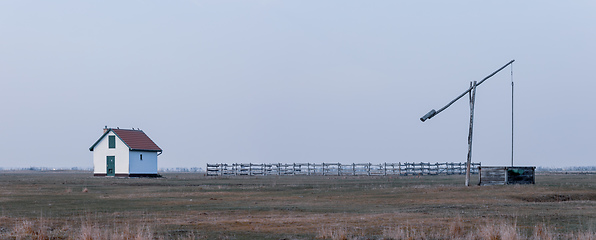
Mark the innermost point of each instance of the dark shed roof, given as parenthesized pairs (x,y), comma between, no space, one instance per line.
(134,139)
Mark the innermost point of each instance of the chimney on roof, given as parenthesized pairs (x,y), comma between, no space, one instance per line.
(105,129)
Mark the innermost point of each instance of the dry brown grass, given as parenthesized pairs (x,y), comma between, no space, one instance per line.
(339,230)
(498,230)
(190,206)
(27,229)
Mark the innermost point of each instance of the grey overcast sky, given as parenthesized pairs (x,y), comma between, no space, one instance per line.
(298,81)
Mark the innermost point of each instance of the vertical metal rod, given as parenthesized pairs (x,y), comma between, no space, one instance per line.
(472,100)
(512,115)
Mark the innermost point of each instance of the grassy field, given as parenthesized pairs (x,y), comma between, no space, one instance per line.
(71,205)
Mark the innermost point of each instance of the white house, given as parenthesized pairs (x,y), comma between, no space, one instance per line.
(125,153)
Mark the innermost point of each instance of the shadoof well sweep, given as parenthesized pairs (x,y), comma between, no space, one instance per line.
(496,172)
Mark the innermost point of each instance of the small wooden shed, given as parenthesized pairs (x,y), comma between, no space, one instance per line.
(506,175)
(125,153)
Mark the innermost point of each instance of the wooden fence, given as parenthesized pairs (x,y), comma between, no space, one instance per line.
(338,169)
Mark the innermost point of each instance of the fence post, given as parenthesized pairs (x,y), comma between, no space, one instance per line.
(460,169)
(401,168)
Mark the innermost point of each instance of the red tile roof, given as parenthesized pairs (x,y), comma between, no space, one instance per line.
(134,139)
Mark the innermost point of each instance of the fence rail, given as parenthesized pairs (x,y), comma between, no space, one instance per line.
(338,169)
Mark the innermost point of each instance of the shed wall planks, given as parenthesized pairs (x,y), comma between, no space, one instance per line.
(506,175)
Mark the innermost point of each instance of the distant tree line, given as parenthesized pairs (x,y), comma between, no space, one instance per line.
(46,169)
(199,169)
(182,169)
(40,169)
(567,169)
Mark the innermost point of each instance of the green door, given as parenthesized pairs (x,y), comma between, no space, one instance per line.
(110,165)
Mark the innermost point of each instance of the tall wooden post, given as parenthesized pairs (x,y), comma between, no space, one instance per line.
(472,100)
(512,115)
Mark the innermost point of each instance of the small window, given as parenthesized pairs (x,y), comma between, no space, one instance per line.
(111,141)
(141,156)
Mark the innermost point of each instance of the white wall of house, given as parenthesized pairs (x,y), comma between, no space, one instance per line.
(101,151)
(147,165)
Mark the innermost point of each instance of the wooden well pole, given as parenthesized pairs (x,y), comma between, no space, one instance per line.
(470,133)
